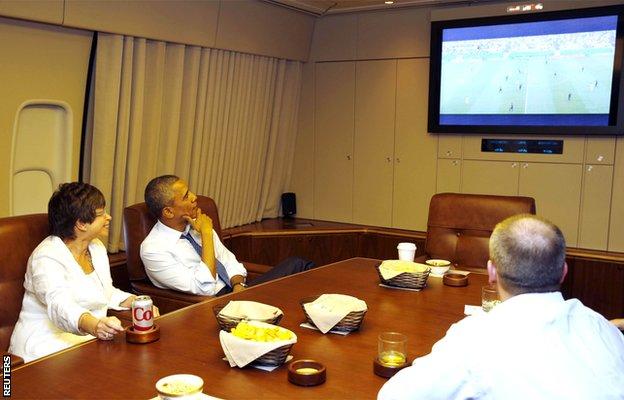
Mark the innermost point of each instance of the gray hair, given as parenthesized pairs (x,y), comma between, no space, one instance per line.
(529,254)
(159,193)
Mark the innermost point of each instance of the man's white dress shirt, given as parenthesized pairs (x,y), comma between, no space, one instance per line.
(171,262)
(531,346)
(57,293)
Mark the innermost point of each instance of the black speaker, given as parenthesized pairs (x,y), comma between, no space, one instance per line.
(289,204)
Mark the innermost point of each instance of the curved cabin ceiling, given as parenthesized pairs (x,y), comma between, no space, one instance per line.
(322,7)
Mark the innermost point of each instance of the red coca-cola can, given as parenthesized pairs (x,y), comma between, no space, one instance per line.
(142,313)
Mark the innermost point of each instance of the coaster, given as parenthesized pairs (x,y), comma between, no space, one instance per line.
(385,371)
(267,368)
(142,337)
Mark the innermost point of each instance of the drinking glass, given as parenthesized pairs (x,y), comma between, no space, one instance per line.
(392,349)
(489,297)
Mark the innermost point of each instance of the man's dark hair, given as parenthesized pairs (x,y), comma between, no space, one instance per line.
(529,254)
(70,203)
(159,193)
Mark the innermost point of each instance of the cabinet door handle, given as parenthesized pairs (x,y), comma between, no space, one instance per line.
(398,160)
(589,168)
(455,162)
(348,156)
(514,165)
(600,158)
(449,153)
(388,159)
(525,165)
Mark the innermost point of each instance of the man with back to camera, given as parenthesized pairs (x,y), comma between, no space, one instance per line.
(184,253)
(534,345)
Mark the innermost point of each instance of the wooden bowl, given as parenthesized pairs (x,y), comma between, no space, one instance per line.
(306,373)
(451,279)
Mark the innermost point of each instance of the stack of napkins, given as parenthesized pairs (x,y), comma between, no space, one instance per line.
(250,310)
(240,352)
(329,309)
(391,268)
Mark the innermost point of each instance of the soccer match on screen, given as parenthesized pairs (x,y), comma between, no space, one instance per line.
(528,73)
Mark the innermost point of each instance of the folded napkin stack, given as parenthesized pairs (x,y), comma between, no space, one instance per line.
(327,310)
(240,352)
(250,310)
(391,268)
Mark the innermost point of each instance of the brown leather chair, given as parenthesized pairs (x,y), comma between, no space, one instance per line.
(460,225)
(18,238)
(137,224)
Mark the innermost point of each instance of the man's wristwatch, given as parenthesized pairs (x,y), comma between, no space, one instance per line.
(243,284)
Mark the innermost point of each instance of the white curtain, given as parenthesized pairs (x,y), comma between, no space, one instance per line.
(224,121)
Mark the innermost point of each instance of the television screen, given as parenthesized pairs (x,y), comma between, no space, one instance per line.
(553,72)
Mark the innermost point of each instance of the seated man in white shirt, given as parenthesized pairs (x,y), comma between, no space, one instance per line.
(534,345)
(183,252)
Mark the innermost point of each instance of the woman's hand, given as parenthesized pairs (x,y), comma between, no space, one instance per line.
(107,327)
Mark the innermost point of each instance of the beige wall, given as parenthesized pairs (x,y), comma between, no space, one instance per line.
(249,26)
(587,206)
(39,62)
(49,60)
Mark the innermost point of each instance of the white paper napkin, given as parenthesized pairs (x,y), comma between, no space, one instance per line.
(329,309)
(241,352)
(250,310)
(391,268)
(473,310)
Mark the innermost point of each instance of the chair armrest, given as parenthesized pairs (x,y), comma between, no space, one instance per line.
(15,360)
(258,269)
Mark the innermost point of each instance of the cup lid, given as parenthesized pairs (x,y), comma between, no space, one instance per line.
(406,246)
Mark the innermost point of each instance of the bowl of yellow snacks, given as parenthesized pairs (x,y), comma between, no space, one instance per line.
(258,343)
(405,274)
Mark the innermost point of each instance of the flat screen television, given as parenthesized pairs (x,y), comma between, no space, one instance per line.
(540,73)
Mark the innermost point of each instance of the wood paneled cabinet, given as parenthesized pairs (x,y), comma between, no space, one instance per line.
(374,160)
(333,134)
(375,93)
(573,189)
(542,181)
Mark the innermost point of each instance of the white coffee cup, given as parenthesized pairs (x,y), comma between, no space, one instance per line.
(406,251)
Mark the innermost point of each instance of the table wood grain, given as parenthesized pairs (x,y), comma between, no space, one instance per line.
(189,342)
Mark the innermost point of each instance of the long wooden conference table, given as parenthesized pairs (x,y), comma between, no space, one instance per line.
(189,342)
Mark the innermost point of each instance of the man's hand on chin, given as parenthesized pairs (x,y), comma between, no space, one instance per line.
(201,223)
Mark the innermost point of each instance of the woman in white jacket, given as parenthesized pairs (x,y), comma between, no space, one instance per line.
(68,282)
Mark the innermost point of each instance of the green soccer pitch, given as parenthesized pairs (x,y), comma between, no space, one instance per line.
(569,83)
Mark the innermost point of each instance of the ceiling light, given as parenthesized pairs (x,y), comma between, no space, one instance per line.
(388,2)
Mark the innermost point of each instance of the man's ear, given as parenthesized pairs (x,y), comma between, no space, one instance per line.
(491,269)
(167,213)
(565,272)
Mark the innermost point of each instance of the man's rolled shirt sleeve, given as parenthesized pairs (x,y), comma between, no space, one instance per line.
(166,272)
